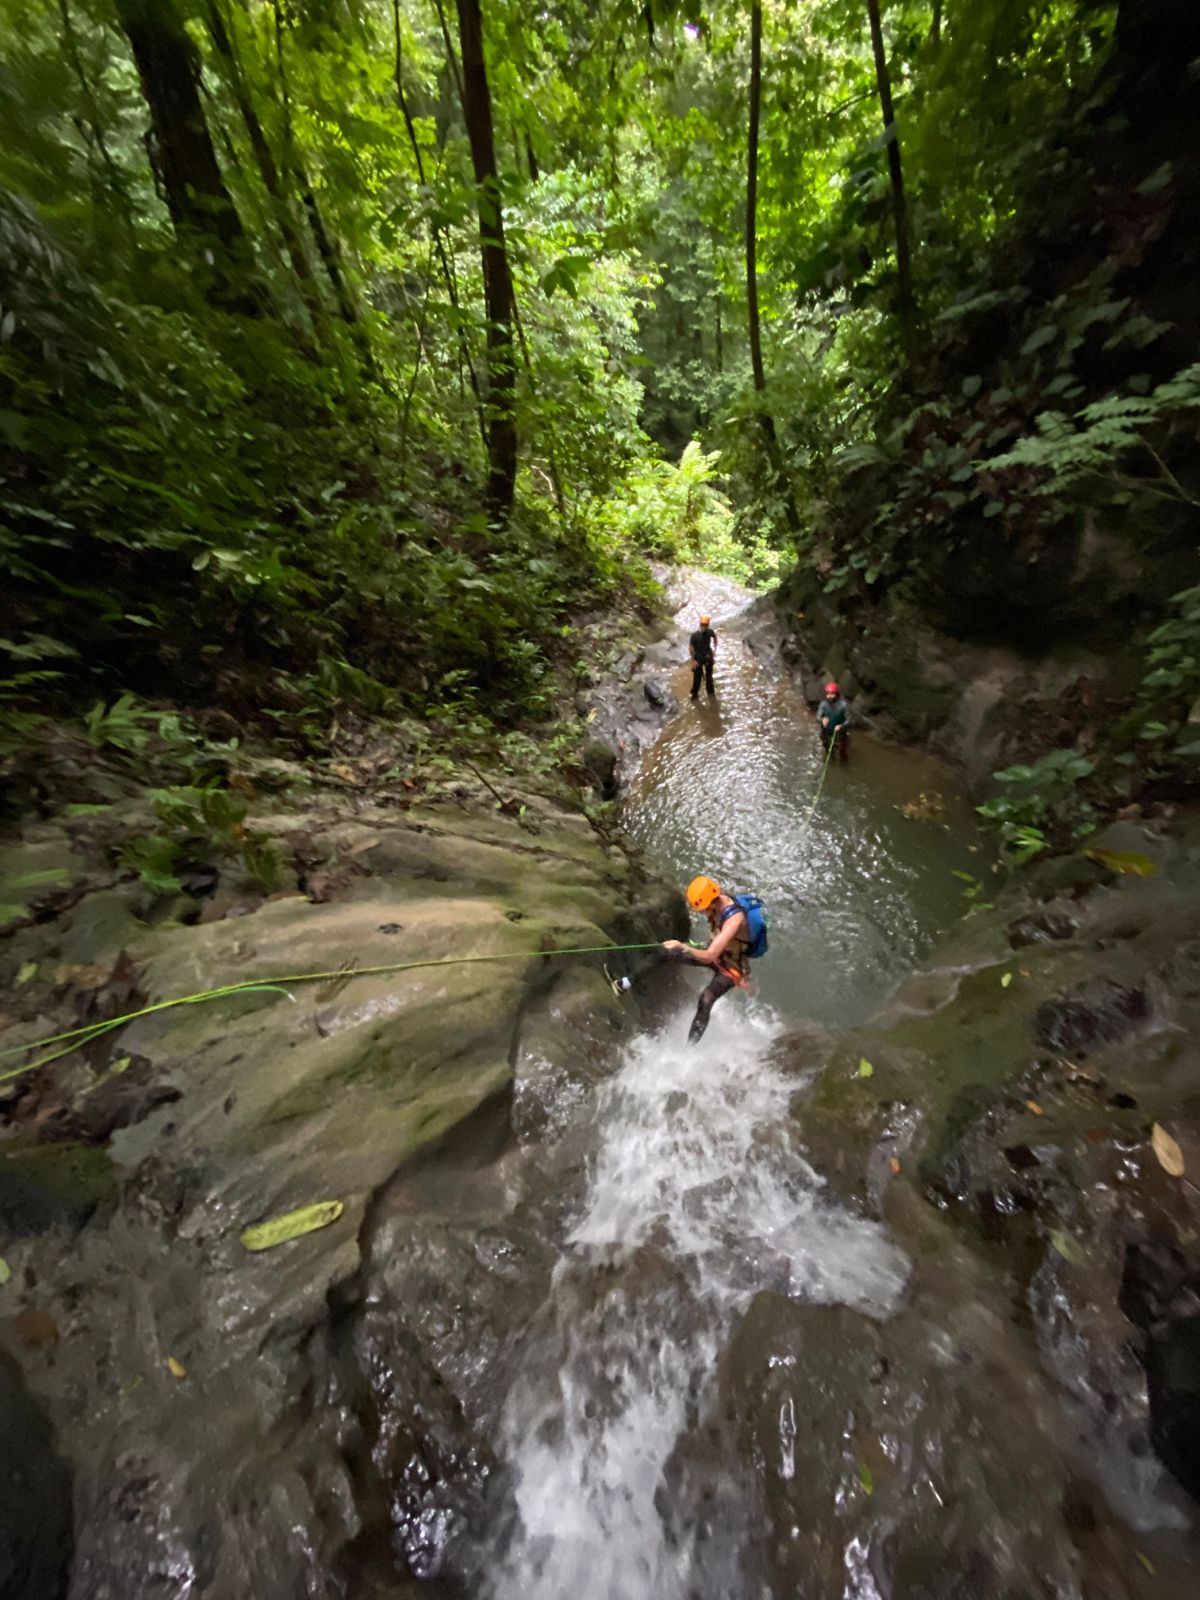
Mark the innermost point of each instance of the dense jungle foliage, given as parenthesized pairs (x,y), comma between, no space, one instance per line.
(352,349)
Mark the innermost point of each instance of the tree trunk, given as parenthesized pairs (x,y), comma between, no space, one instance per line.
(899,203)
(497,278)
(264,159)
(94,126)
(465,364)
(935,26)
(766,420)
(200,205)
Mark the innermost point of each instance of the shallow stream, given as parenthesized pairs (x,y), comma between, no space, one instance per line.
(696,1196)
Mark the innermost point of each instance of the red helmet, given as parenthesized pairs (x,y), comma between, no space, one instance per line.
(832,688)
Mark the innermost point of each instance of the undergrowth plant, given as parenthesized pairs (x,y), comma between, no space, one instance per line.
(1042,804)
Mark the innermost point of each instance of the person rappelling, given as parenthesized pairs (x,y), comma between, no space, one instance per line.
(833,721)
(738,927)
(702,653)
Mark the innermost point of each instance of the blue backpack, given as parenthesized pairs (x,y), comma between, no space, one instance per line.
(756,923)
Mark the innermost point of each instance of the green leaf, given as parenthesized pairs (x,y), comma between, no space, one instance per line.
(1157,181)
(27,970)
(1124,861)
(292,1225)
(1039,338)
(1005,980)
(866,1477)
(971,386)
(1066,1246)
(865,1069)
(5,1271)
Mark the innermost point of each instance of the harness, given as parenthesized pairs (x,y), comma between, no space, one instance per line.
(735,951)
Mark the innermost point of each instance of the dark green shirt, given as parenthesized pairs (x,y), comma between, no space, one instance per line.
(837,711)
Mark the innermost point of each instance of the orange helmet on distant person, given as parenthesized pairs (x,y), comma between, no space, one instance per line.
(704,621)
(701,893)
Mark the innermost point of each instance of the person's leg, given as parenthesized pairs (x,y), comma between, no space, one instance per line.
(721,984)
(697,674)
(708,676)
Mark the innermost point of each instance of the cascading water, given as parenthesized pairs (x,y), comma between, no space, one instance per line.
(696,1200)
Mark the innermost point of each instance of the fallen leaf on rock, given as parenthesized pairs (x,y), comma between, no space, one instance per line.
(292,1225)
(1024,971)
(1075,1072)
(35,1328)
(1146,1562)
(1066,1246)
(1124,861)
(1035,1108)
(865,1069)
(895,1165)
(176,1368)
(86,977)
(5,1270)
(345,773)
(1170,1156)
(27,970)
(866,1477)
(1006,980)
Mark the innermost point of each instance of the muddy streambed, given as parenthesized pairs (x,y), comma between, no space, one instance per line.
(877,1294)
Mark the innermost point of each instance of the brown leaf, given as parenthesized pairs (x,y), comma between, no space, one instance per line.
(35,1328)
(1170,1156)
(176,1368)
(895,1165)
(85,977)
(345,773)
(1035,1108)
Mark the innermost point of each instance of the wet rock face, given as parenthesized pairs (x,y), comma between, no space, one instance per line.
(1052,1242)
(35,1498)
(1043,927)
(305,1421)
(1097,1012)
(1160,1294)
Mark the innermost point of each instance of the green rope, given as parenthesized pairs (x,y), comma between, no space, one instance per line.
(92,1030)
(828,758)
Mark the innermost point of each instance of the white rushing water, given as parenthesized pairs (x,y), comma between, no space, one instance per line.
(697,1198)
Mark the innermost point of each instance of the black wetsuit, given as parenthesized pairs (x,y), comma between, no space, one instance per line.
(733,960)
(703,642)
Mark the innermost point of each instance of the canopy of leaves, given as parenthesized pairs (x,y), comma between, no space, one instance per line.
(245,358)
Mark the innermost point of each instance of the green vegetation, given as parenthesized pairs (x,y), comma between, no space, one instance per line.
(351,350)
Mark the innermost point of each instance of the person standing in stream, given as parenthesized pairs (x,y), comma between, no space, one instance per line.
(702,652)
(833,720)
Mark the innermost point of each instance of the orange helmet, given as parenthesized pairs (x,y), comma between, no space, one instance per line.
(704,621)
(701,893)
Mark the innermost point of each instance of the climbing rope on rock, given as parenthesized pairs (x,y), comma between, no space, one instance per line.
(75,1038)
